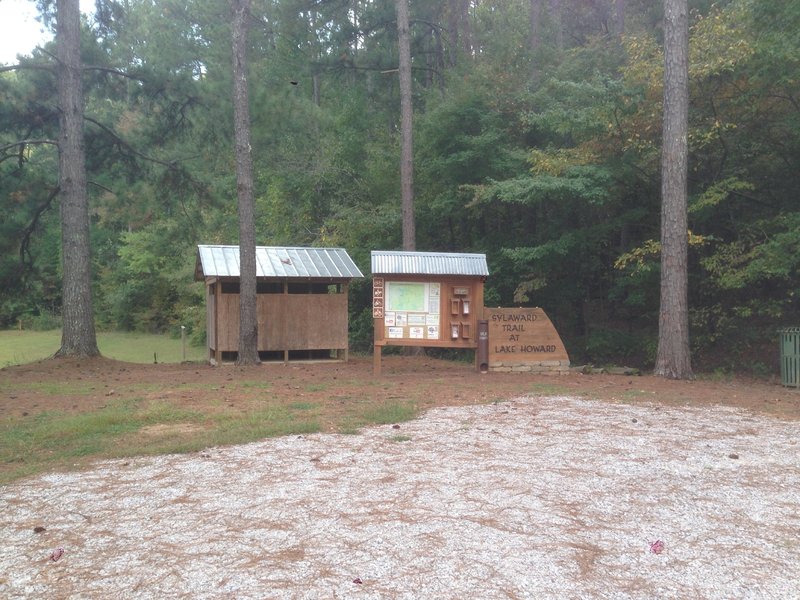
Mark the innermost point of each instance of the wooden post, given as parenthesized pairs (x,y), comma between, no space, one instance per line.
(376,359)
(344,290)
(217,295)
(284,324)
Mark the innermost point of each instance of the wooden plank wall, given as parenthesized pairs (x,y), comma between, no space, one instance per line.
(288,322)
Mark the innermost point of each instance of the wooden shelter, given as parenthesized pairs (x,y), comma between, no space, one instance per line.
(301,303)
(431,299)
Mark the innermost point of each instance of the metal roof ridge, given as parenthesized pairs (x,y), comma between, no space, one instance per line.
(273,247)
(426,253)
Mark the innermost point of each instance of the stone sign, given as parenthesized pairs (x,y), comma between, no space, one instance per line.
(524,339)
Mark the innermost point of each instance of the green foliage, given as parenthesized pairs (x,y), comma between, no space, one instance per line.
(609,346)
(547,160)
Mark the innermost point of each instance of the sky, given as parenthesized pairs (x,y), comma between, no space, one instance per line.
(20,32)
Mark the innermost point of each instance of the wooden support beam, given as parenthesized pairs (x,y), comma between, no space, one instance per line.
(376,359)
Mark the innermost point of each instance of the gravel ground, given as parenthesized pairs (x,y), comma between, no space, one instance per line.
(531,498)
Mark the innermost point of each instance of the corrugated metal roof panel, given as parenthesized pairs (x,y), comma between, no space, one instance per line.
(279,262)
(429,263)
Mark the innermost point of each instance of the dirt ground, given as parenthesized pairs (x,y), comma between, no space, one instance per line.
(425,381)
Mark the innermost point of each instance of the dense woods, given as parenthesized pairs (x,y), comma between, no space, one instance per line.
(537,139)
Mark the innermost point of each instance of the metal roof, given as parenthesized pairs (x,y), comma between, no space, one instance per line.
(279,262)
(429,263)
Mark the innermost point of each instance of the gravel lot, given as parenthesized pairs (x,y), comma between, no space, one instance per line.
(530,498)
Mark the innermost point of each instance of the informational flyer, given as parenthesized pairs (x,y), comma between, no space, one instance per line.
(416,333)
(395,332)
(416,319)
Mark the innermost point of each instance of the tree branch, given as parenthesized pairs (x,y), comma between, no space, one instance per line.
(33,66)
(112,71)
(20,155)
(126,146)
(28,143)
(24,245)
(102,187)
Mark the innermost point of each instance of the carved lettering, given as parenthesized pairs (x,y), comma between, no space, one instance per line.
(532,348)
(505,349)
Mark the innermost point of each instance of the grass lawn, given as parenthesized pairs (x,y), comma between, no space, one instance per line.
(20,347)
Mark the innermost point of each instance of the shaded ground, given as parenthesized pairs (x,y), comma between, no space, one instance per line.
(548,497)
(84,385)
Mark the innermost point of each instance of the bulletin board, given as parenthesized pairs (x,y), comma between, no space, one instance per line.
(412,310)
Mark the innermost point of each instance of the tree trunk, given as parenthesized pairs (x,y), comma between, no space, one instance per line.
(78,335)
(466,28)
(452,31)
(406,129)
(555,19)
(673,359)
(535,17)
(248,324)
(619,17)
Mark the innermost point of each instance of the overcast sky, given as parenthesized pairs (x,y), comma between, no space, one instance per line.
(20,32)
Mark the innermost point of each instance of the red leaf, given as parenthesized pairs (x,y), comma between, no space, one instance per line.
(657,547)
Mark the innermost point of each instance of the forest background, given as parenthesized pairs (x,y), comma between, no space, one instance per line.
(537,130)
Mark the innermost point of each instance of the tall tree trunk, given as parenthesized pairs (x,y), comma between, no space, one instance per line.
(466,28)
(248,324)
(453,13)
(673,359)
(555,19)
(535,17)
(619,17)
(78,335)
(406,129)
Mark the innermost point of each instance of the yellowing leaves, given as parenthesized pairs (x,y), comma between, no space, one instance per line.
(556,162)
(648,252)
(718,43)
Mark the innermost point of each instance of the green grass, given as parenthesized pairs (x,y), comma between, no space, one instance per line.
(390,412)
(49,388)
(19,347)
(316,387)
(382,414)
(271,421)
(55,439)
(131,427)
(303,405)
(631,395)
(546,389)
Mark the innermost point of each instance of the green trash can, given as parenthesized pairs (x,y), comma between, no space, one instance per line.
(790,356)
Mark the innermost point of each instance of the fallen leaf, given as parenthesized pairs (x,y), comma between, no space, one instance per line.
(657,547)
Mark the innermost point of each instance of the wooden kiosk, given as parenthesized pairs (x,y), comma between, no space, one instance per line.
(301,303)
(428,299)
